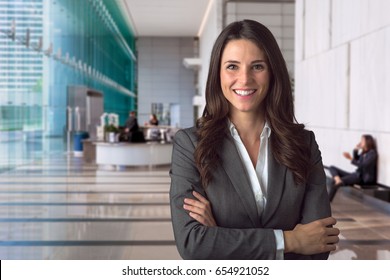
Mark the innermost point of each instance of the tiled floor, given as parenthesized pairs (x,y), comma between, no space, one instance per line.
(63,208)
(364,222)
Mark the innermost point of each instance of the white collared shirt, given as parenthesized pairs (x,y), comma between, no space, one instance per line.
(259,176)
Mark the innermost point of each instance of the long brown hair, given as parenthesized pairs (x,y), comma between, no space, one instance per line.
(287,138)
(370,142)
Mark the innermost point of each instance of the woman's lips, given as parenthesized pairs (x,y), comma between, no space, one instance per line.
(245,92)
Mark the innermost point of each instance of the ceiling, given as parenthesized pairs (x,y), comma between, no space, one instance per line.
(171,18)
(176,18)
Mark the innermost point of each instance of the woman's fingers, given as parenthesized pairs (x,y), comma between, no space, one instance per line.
(199,209)
(190,205)
(332,240)
(201,219)
(332,231)
(316,237)
(192,202)
(200,197)
(201,203)
(329,248)
(329,221)
(196,206)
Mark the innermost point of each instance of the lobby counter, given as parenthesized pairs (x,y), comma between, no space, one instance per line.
(133,154)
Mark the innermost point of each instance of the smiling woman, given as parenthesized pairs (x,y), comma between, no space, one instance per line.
(244,77)
(248,180)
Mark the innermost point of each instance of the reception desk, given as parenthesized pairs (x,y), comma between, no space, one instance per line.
(119,155)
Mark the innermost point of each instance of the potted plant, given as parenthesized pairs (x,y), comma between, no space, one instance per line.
(110,131)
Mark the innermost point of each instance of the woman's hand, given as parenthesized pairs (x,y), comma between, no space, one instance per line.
(312,238)
(200,210)
(347,155)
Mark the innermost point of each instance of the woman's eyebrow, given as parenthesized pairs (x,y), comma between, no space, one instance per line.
(237,62)
(232,61)
(258,61)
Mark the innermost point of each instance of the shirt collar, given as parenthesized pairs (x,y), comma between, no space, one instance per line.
(266,129)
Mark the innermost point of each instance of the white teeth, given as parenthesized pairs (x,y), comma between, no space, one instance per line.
(244,92)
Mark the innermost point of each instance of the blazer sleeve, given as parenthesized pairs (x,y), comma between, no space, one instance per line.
(195,241)
(365,161)
(316,202)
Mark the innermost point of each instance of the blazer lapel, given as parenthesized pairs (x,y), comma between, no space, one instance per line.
(231,162)
(276,184)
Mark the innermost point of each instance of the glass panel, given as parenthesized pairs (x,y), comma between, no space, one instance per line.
(47,45)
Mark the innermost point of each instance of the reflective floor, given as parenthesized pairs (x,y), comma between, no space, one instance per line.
(364,222)
(64,208)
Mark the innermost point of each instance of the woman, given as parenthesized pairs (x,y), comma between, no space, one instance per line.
(247,181)
(365,157)
(153,120)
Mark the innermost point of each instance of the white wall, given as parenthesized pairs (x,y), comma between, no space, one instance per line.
(211,30)
(278,17)
(162,77)
(341,85)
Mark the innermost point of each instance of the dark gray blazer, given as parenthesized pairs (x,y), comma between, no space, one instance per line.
(241,233)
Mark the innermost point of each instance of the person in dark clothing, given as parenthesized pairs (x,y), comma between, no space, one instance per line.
(365,158)
(131,122)
(131,125)
(153,120)
(247,181)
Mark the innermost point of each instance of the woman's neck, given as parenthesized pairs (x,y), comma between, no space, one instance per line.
(248,126)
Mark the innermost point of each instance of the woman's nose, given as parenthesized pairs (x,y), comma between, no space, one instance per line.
(244,76)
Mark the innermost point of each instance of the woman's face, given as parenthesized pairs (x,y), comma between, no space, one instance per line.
(244,76)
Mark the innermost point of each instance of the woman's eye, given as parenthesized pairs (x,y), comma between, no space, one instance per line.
(258,67)
(232,67)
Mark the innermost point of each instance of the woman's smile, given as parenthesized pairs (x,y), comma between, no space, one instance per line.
(242,92)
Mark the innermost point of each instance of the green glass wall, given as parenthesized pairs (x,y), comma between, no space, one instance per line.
(46,45)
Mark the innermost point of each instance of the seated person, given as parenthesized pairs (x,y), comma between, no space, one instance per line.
(365,158)
(153,120)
